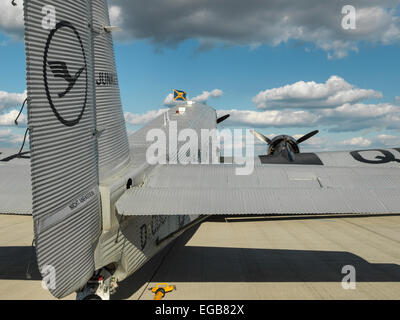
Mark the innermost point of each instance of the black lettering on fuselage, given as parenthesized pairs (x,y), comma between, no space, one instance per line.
(107,79)
(143,236)
(386,158)
(73,205)
(156,223)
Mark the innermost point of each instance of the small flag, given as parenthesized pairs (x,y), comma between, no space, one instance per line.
(179,95)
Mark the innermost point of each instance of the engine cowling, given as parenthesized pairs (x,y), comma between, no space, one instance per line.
(284,145)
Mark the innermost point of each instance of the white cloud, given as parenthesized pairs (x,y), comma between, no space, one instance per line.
(360,111)
(141,119)
(334,92)
(234,22)
(348,117)
(11,100)
(8,119)
(314,141)
(271,118)
(207,95)
(372,18)
(12,19)
(8,137)
(115,16)
(254,23)
(353,117)
(387,140)
(356,142)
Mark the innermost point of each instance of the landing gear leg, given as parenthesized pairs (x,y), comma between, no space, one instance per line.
(99,287)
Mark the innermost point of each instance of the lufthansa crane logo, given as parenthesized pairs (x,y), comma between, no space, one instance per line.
(67,72)
(60,70)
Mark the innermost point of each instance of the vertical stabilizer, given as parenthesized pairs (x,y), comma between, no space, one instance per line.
(113,141)
(63,140)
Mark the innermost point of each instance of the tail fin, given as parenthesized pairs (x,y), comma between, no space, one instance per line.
(113,142)
(67,108)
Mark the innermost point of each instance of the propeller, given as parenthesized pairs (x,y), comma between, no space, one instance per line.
(223,118)
(261,137)
(283,145)
(307,136)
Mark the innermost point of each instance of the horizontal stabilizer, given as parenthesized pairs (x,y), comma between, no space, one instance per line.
(215,189)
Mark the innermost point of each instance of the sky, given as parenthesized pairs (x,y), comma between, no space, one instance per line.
(279,66)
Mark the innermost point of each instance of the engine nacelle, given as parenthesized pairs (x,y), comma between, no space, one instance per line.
(282,145)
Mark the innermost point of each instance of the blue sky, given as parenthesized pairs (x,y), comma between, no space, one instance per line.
(242,72)
(150,65)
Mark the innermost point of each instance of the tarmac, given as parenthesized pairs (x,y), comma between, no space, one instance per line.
(250,258)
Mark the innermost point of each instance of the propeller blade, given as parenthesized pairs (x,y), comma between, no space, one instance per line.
(223,118)
(307,136)
(261,137)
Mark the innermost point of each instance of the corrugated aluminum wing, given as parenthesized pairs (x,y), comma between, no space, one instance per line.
(270,189)
(113,141)
(61,119)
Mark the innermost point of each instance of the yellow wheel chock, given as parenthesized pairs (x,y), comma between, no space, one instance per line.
(161,289)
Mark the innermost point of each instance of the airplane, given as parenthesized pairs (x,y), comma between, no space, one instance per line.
(100,210)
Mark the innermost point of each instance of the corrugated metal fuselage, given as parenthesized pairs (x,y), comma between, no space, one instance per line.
(126,243)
